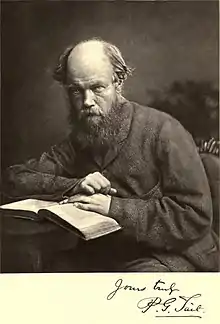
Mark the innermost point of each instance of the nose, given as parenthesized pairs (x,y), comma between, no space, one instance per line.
(88,98)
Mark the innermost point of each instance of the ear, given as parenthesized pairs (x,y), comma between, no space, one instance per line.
(118,87)
(118,84)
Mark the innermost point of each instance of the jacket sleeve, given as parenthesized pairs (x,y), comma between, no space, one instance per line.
(48,177)
(182,213)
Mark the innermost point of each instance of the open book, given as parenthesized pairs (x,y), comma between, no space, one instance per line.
(88,225)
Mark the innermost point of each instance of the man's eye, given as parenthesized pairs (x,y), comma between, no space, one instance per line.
(75,91)
(98,88)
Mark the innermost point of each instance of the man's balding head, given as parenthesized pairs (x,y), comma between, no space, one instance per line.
(88,58)
(93,50)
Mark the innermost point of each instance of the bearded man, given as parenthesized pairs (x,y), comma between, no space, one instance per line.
(132,163)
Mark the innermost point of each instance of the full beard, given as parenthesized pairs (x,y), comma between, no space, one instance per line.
(97,133)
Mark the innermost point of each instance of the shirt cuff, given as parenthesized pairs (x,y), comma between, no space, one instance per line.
(69,191)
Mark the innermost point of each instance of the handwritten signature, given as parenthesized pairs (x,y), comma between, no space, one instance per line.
(187,304)
(177,305)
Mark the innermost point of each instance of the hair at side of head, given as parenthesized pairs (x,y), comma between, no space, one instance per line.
(120,68)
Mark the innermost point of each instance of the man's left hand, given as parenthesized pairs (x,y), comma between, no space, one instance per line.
(98,203)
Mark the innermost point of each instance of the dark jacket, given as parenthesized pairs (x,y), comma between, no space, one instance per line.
(163,201)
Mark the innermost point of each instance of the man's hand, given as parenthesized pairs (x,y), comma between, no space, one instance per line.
(94,183)
(98,203)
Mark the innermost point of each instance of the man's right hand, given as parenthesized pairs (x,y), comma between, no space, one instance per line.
(94,183)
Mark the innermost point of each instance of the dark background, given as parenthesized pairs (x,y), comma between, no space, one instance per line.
(164,41)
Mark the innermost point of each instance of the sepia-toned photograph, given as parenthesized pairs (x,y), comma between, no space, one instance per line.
(110,136)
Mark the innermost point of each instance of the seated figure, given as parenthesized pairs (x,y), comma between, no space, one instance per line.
(132,163)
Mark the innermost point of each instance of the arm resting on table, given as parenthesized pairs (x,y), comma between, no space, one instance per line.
(44,178)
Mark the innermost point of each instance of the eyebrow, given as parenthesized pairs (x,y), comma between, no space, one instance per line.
(92,84)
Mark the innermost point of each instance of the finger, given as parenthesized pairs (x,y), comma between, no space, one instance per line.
(94,184)
(65,201)
(99,182)
(109,191)
(104,182)
(96,199)
(88,207)
(112,191)
(80,198)
(72,199)
(87,188)
(94,181)
(106,190)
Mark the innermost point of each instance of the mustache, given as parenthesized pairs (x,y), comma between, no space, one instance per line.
(91,112)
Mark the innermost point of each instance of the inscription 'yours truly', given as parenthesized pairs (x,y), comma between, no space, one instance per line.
(159,285)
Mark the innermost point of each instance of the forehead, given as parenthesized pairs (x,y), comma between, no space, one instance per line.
(89,64)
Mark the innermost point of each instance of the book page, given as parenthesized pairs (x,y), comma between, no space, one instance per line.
(81,219)
(33,205)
